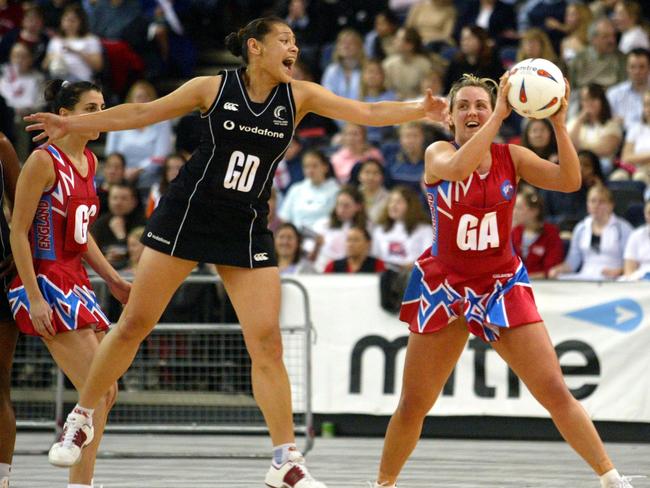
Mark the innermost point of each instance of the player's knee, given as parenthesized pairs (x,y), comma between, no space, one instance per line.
(556,397)
(265,345)
(111,396)
(133,327)
(414,406)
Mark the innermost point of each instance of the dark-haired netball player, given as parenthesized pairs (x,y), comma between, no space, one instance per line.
(216,211)
(51,297)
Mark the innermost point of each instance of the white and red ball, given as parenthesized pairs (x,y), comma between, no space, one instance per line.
(536,88)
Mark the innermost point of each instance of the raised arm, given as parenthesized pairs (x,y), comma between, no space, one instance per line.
(311,97)
(197,93)
(541,173)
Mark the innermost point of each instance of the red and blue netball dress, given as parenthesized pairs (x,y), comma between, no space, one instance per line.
(59,237)
(471,269)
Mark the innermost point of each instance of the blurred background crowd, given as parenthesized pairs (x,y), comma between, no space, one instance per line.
(349,198)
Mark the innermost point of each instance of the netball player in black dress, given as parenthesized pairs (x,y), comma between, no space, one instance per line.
(216,211)
(9,169)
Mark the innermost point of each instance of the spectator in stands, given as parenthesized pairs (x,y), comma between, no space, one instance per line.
(636,150)
(601,62)
(52,13)
(626,98)
(371,185)
(566,209)
(574,28)
(11,15)
(31,33)
(357,255)
(379,43)
(314,130)
(312,198)
(343,75)
(597,243)
(144,149)
(114,169)
(134,248)
(475,56)
(289,169)
(172,165)
(305,29)
(594,128)
(535,43)
(112,19)
(496,17)
(110,230)
(637,251)
(532,13)
(403,231)
(74,54)
(373,89)
(539,137)
(627,19)
(332,230)
(21,85)
(407,66)
(537,242)
(354,148)
(405,161)
(288,249)
(434,20)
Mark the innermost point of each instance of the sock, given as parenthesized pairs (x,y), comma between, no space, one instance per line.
(75,485)
(610,477)
(5,470)
(281,453)
(88,412)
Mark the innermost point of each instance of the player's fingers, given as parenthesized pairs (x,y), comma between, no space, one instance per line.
(37,126)
(39,137)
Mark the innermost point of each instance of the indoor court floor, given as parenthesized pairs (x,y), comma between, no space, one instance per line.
(207,461)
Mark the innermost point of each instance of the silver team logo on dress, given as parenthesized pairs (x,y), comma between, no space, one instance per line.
(231,106)
(229,125)
(261,256)
(280,113)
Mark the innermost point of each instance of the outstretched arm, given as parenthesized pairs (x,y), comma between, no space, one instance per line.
(198,93)
(311,97)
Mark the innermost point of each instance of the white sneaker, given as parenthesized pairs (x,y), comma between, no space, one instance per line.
(292,474)
(623,482)
(77,433)
(4,482)
(377,485)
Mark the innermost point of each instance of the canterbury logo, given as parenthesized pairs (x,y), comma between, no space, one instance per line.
(231,106)
(261,256)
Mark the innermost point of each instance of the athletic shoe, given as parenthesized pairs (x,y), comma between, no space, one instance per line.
(623,482)
(77,433)
(4,482)
(377,485)
(292,474)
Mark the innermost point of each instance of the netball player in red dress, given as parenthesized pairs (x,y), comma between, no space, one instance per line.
(471,281)
(51,297)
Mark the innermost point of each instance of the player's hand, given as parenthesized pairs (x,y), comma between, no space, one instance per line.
(41,315)
(120,289)
(435,108)
(502,109)
(7,267)
(51,126)
(559,118)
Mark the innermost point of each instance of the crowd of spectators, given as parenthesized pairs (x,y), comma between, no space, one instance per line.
(349,198)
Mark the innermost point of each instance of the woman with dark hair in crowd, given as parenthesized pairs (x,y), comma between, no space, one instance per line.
(216,212)
(9,170)
(536,241)
(538,136)
(288,248)
(357,257)
(171,167)
(113,171)
(476,56)
(56,201)
(408,65)
(594,128)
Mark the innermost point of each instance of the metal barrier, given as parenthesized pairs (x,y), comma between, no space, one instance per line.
(186,377)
